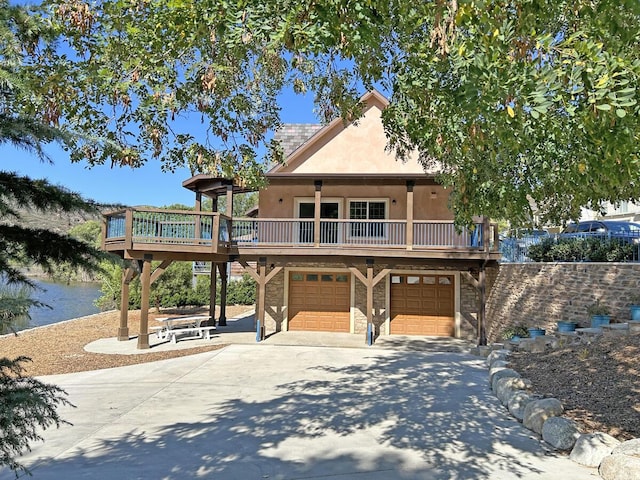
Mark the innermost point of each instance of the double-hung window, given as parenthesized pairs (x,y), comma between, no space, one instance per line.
(366,211)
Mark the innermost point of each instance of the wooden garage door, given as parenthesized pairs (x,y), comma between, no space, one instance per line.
(422,305)
(319,301)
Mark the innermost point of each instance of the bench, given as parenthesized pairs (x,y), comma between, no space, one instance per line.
(205,332)
(191,323)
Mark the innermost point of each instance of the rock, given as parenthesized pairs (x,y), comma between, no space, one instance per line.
(518,402)
(620,467)
(505,387)
(591,448)
(630,447)
(535,413)
(497,355)
(560,432)
(539,345)
(499,363)
(502,373)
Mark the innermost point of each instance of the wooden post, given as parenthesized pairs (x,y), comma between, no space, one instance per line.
(486,228)
(123,331)
(222,267)
(409,232)
(198,207)
(262,278)
(230,200)
(128,229)
(482,326)
(213,293)
(316,212)
(143,336)
(262,291)
(370,282)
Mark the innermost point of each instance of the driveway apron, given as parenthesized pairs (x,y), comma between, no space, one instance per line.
(292,412)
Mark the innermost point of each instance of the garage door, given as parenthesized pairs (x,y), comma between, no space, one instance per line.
(422,305)
(319,301)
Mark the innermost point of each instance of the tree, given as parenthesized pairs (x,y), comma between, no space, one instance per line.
(26,404)
(518,103)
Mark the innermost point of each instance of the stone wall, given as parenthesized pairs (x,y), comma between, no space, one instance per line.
(540,294)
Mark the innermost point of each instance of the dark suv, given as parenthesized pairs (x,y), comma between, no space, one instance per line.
(628,232)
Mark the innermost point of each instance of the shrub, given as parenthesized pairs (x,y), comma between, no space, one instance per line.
(582,250)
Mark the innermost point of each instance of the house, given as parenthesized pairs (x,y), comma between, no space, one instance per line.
(347,239)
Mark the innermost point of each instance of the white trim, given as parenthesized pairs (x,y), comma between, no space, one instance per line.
(457,315)
(289,270)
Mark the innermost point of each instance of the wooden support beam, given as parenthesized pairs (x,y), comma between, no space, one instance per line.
(212,293)
(370,281)
(409,231)
(482,324)
(316,212)
(230,200)
(123,330)
(474,283)
(143,336)
(222,269)
(262,278)
(160,270)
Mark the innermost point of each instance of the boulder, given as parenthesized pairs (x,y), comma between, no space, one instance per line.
(497,355)
(502,373)
(591,448)
(560,432)
(505,387)
(620,467)
(499,363)
(630,447)
(518,401)
(535,413)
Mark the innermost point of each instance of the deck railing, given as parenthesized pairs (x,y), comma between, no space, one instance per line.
(173,227)
(180,227)
(373,233)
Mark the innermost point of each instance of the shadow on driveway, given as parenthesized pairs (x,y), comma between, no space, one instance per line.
(274,412)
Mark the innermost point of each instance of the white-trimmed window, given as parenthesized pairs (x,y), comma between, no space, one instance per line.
(368,210)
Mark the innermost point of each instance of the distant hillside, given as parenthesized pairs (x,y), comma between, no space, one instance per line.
(59,222)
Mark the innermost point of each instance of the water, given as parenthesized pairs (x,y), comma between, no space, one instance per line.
(68,301)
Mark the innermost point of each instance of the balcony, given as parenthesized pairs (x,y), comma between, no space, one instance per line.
(154,230)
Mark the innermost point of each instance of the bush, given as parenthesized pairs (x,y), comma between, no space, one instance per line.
(519,330)
(174,288)
(582,250)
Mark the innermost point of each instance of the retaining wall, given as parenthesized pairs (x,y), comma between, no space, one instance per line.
(540,294)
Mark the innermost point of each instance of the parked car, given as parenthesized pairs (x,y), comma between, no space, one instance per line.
(627,232)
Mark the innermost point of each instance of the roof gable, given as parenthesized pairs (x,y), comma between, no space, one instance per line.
(357,147)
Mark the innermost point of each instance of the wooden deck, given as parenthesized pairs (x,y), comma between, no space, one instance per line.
(189,235)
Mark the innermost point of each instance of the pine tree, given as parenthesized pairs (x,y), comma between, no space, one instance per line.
(26,404)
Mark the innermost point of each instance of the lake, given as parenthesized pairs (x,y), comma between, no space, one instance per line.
(67,302)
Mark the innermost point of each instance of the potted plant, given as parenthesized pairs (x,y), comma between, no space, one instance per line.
(565,326)
(635,308)
(599,314)
(536,332)
(515,333)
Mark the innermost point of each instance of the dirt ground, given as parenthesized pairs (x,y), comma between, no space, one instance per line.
(59,348)
(598,384)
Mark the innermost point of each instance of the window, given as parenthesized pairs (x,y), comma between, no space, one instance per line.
(367,210)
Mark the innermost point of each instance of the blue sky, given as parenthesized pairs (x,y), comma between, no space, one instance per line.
(147,185)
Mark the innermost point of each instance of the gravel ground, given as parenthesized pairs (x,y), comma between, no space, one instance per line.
(598,384)
(59,348)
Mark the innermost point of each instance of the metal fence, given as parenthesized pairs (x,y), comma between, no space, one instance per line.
(571,248)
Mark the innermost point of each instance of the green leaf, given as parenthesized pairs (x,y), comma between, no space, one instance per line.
(604,106)
(620,112)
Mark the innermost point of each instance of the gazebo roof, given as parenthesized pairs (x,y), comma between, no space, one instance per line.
(212,186)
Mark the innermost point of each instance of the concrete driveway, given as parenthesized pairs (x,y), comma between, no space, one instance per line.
(292,412)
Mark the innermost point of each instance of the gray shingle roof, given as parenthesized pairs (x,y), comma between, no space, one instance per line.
(294,135)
